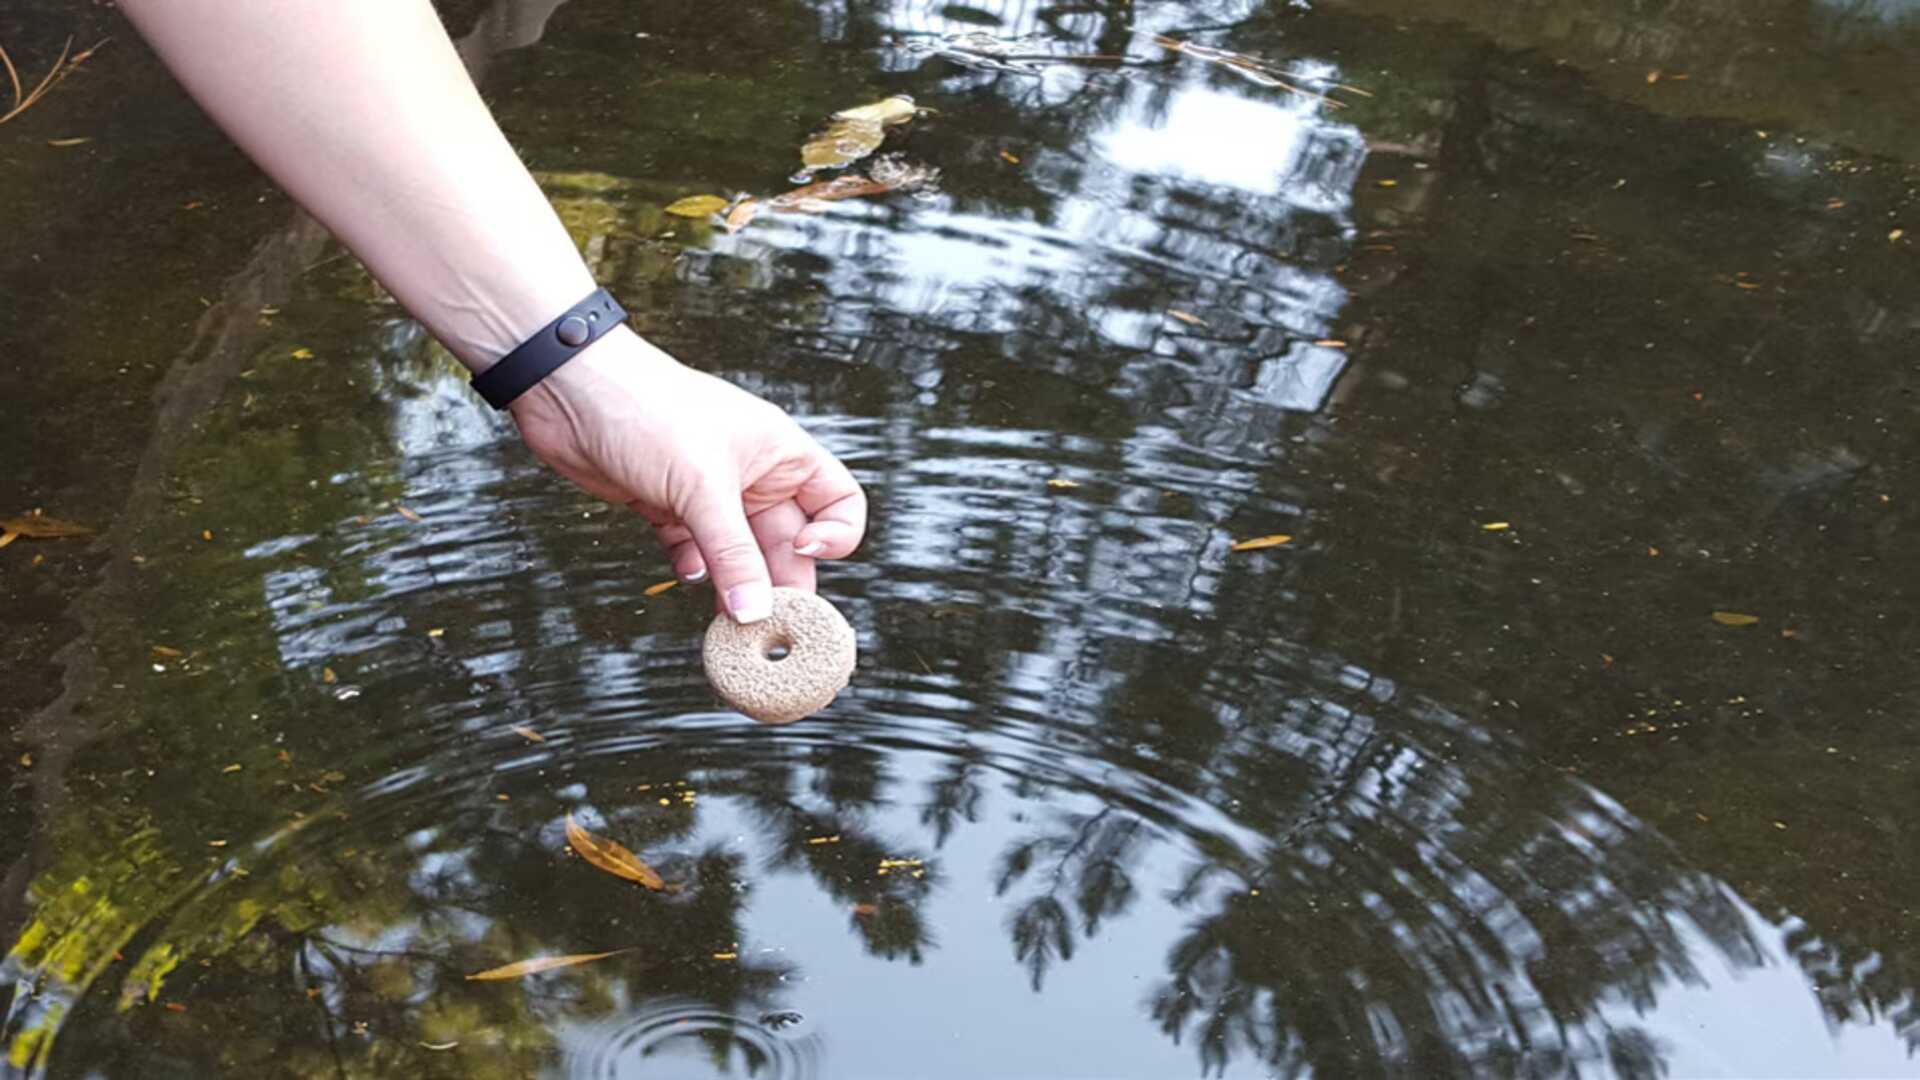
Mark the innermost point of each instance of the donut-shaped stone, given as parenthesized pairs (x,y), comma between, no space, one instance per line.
(786,666)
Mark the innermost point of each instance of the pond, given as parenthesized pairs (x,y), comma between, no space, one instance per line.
(1571,730)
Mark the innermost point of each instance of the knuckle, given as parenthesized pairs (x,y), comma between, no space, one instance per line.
(733,553)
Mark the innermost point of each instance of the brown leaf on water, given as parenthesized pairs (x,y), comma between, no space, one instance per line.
(1260,542)
(697,206)
(889,174)
(37,526)
(528,733)
(169,653)
(662,586)
(1009,158)
(408,514)
(7,537)
(739,216)
(1331,343)
(327,676)
(856,132)
(522,968)
(1186,317)
(1062,484)
(1734,618)
(607,855)
(76,141)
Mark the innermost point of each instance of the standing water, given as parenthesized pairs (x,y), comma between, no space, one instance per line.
(1572,348)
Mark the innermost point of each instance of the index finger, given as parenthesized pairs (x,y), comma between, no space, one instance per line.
(832,498)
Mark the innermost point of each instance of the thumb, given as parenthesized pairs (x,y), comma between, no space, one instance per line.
(727,545)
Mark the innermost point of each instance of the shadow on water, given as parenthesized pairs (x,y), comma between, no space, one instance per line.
(1407,795)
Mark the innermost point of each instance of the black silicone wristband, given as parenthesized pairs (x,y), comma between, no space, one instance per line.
(557,342)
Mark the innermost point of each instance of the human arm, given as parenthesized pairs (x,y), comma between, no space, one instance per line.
(361,111)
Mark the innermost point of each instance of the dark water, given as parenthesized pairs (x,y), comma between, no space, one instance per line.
(1407,796)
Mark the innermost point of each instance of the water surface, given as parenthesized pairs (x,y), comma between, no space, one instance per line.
(1547,333)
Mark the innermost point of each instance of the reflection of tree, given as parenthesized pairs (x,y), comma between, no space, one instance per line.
(1389,890)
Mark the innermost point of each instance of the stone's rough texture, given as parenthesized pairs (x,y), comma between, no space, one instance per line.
(819,660)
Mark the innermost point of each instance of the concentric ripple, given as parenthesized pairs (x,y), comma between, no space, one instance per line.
(680,1038)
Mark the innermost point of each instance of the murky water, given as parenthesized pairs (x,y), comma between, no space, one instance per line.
(1545,331)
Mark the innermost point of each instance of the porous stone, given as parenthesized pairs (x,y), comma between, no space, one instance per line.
(817,663)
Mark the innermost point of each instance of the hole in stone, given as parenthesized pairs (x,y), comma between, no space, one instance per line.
(779,650)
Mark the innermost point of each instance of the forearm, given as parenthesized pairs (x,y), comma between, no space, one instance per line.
(361,111)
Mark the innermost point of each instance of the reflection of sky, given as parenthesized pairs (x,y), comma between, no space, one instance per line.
(1740,1021)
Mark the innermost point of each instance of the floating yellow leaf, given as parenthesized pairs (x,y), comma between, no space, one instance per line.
(1009,158)
(662,586)
(1331,343)
(36,526)
(171,654)
(897,109)
(855,133)
(1387,183)
(206,534)
(70,142)
(528,733)
(1185,317)
(1497,526)
(697,206)
(726,956)
(233,768)
(437,632)
(327,676)
(408,514)
(1259,542)
(1062,484)
(523,968)
(301,354)
(1734,618)
(1896,234)
(834,839)
(609,856)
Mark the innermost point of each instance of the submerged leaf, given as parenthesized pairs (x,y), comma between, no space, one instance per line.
(1260,542)
(1734,618)
(37,527)
(697,206)
(611,857)
(522,968)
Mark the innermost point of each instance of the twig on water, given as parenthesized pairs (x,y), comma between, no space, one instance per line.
(65,65)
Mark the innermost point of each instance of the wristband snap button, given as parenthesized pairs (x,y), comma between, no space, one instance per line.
(572,330)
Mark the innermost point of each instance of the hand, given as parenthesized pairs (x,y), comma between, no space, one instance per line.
(734,488)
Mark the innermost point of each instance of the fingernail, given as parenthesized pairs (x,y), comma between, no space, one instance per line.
(696,577)
(814,548)
(750,603)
